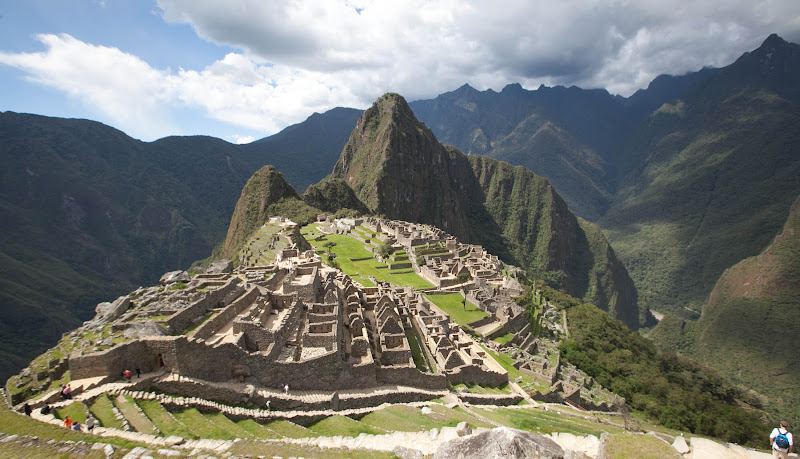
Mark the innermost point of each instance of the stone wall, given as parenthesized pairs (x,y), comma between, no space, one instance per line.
(491,399)
(187,317)
(473,374)
(213,325)
(113,361)
(410,376)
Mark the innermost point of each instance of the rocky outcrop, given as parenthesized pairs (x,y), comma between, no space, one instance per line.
(502,442)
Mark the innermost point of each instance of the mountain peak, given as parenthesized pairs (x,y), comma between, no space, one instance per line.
(773,40)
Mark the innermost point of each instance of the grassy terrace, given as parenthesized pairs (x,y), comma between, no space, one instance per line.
(347,247)
(458,312)
(507,363)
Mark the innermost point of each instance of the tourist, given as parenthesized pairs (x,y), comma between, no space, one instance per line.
(90,424)
(138,373)
(268,406)
(45,409)
(127,374)
(286,389)
(68,422)
(77,426)
(781,441)
(27,409)
(66,392)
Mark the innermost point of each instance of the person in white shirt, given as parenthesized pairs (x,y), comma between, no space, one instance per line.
(781,441)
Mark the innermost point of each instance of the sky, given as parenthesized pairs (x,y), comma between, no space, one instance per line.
(242,70)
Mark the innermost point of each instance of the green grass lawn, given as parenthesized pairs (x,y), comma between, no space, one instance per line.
(165,421)
(222,421)
(410,419)
(103,411)
(342,425)
(12,423)
(416,350)
(257,430)
(543,422)
(631,446)
(75,410)
(503,339)
(347,247)
(201,426)
(127,406)
(289,429)
(453,306)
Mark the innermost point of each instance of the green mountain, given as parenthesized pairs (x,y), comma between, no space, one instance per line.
(710,178)
(748,328)
(266,194)
(89,213)
(397,168)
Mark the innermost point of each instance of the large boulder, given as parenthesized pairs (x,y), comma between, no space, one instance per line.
(174,276)
(107,312)
(143,330)
(501,442)
(223,266)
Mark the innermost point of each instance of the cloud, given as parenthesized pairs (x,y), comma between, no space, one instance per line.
(293,58)
(143,101)
(421,48)
(239,139)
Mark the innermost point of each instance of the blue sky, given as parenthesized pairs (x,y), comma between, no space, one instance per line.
(244,69)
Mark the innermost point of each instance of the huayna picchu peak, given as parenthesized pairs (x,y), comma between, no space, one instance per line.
(399,169)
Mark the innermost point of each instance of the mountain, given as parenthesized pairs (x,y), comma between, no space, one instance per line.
(89,213)
(397,168)
(748,328)
(686,177)
(566,135)
(266,194)
(711,175)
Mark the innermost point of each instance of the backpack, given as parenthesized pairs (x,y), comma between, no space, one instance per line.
(782,441)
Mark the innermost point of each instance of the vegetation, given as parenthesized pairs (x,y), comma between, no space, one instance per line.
(358,262)
(673,390)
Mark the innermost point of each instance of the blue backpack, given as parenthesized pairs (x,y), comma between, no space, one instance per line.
(782,441)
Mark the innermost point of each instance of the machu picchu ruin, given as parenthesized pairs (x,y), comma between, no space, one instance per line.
(283,334)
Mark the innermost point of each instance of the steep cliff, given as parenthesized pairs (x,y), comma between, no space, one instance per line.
(397,168)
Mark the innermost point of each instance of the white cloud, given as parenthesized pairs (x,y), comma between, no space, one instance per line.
(239,139)
(298,57)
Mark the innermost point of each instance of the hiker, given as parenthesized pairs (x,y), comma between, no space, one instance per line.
(781,441)
(27,409)
(68,422)
(90,424)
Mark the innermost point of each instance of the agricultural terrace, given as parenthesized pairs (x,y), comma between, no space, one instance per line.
(353,258)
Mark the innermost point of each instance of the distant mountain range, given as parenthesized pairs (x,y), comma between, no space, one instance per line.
(686,179)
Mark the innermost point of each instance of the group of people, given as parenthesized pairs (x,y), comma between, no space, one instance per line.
(76,426)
